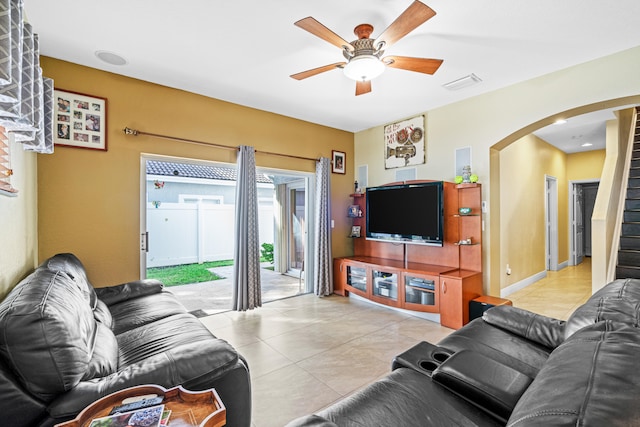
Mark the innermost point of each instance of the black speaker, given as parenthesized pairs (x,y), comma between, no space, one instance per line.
(479,305)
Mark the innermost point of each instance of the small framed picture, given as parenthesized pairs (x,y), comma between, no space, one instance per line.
(355,231)
(338,161)
(80,120)
(354,211)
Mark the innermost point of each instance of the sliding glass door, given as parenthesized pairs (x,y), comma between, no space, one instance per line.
(296,227)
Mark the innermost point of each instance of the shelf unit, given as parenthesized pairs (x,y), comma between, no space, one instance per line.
(357,219)
(422,278)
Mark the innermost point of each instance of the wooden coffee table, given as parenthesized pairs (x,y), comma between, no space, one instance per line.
(188,408)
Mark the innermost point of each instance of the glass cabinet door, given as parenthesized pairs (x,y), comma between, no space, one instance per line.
(385,284)
(420,290)
(357,277)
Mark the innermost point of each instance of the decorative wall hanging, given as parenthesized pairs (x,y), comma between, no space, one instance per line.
(338,162)
(404,143)
(80,120)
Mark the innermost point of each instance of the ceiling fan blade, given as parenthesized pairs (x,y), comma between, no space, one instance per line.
(319,30)
(314,71)
(363,87)
(415,15)
(420,65)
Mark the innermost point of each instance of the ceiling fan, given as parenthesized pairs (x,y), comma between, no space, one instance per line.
(364,55)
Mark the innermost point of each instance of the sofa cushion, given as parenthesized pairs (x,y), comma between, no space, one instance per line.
(155,338)
(139,311)
(592,379)
(130,290)
(617,301)
(47,332)
(403,398)
(71,265)
(102,314)
(510,349)
(104,357)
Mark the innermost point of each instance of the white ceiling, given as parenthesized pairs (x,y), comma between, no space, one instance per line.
(571,136)
(244,51)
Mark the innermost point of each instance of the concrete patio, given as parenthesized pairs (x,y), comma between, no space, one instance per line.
(215,296)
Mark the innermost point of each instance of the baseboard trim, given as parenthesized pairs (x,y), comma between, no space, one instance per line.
(433,317)
(522,284)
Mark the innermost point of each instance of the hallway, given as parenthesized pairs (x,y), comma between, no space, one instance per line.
(558,294)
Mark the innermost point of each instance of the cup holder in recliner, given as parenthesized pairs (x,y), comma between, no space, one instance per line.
(424,357)
(440,356)
(428,365)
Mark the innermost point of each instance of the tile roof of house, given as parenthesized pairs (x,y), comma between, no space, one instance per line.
(196,171)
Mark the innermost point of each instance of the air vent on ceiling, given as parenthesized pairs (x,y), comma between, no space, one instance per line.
(463,82)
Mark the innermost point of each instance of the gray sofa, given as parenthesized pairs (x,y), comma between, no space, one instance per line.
(64,344)
(513,367)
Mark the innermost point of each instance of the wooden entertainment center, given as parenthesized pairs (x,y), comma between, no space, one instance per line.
(417,277)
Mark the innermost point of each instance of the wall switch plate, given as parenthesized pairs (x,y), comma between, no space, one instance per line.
(333,224)
(484,206)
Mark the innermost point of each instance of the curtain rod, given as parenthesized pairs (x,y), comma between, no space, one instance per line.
(135,132)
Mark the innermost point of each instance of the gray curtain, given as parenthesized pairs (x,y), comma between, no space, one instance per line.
(323,274)
(247,294)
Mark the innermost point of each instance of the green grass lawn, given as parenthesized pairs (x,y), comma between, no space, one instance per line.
(186,273)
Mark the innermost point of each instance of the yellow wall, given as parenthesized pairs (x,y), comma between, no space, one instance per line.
(523,168)
(89,201)
(18,220)
(585,166)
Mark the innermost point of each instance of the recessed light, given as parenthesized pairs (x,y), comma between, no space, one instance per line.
(560,122)
(110,57)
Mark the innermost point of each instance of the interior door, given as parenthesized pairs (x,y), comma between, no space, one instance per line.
(589,193)
(551,217)
(578,213)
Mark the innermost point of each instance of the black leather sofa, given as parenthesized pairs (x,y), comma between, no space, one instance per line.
(64,344)
(513,367)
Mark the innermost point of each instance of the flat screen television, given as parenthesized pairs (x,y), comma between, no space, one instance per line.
(408,213)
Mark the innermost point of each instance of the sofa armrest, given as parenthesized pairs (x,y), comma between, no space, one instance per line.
(138,288)
(203,361)
(482,381)
(543,330)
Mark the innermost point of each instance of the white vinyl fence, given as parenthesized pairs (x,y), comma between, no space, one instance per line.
(188,233)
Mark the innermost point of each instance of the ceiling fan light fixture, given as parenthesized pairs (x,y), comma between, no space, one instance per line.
(363,68)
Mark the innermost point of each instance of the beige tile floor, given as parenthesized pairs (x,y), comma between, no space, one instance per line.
(559,294)
(306,352)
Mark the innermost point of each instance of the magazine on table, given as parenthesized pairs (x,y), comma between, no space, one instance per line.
(154,416)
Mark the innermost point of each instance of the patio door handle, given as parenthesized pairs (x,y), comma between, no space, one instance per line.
(144,241)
